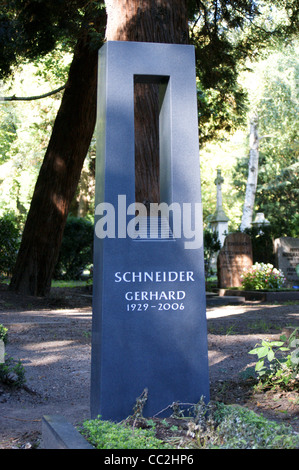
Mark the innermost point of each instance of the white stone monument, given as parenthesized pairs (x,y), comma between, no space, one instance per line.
(219,220)
(260,220)
(2,352)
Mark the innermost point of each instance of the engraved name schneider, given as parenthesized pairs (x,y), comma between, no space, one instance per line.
(138,300)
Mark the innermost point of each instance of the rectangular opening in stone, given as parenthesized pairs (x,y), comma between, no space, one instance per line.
(147,104)
(151,160)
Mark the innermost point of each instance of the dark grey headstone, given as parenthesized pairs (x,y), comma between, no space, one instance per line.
(287,258)
(149,316)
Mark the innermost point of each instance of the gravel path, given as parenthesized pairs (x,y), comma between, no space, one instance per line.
(54,345)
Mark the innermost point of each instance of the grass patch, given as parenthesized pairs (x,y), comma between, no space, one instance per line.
(64,284)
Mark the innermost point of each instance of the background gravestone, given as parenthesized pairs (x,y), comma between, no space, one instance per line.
(149,319)
(287,258)
(234,256)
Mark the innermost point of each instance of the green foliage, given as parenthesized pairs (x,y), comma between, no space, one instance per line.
(25,127)
(274,367)
(221,154)
(76,249)
(208,426)
(280,196)
(54,67)
(272,85)
(262,276)
(211,246)
(32,29)
(224,33)
(262,243)
(69,283)
(9,243)
(3,333)
(211,243)
(240,428)
(8,130)
(108,435)
(12,373)
(220,110)
(221,426)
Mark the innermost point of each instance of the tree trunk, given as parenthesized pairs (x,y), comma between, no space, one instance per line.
(252,175)
(163,21)
(59,174)
(128,20)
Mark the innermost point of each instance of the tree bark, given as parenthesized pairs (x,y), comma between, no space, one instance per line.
(163,21)
(252,175)
(59,173)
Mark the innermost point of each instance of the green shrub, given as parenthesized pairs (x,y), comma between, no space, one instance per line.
(237,427)
(212,426)
(262,243)
(274,366)
(9,243)
(12,373)
(3,333)
(240,428)
(211,246)
(262,277)
(76,249)
(108,435)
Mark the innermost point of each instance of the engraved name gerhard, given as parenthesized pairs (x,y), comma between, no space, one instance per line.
(148,298)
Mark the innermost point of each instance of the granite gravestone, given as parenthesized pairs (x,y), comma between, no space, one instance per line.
(233,258)
(149,319)
(287,258)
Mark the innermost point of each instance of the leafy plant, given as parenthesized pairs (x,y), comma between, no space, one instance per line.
(211,246)
(76,249)
(240,428)
(9,243)
(262,243)
(12,373)
(207,426)
(274,367)
(3,333)
(262,276)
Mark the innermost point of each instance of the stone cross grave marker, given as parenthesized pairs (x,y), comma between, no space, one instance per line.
(149,320)
(219,220)
(218,182)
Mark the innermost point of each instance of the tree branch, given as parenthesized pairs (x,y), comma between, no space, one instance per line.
(31,98)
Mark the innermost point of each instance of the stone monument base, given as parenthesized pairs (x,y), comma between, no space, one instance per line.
(264,296)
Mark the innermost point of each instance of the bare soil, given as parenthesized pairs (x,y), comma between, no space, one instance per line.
(52,338)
